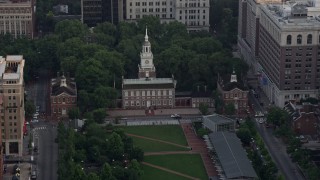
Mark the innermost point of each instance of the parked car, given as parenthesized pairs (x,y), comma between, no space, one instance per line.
(34,175)
(176,116)
(34,120)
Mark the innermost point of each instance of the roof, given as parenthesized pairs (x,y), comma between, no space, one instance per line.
(69,89)
(231,155)
(226,85)
(143,83)
(201,94)
(218,119)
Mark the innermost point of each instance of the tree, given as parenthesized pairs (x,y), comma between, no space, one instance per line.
(74,113)
(116,146)
(67,29)
(106,172)
(230,109)
(30,109)
(204,108)
(99,115)
(244,135)
(104,97)
(93,176)
(277,116)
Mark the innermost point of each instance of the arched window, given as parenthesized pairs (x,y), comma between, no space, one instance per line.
(309,39)
(289,37)
(299,39)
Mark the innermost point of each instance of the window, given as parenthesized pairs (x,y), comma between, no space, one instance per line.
(289,38)
(309,39)
(299,39)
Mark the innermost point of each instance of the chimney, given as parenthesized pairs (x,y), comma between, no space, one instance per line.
(58,74)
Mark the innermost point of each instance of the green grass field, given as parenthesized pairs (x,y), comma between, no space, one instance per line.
(154,146)
(171,133)
(190,164)
(157,174)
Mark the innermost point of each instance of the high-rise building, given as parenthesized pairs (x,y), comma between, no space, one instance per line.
(98,11)
(1,146)
(281,41)
(17,18)
(148,91)
(194,14)
(12,109)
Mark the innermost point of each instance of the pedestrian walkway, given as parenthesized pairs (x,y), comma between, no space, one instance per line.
(199,146)
(169,152)
(158,140)
(170,171)
(40,128)
(153,122)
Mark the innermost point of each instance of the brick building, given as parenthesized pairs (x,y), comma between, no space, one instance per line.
(63,96)
(280,41)
(234,92)
(304,119)
(1,146)
(148,91)
(17,18)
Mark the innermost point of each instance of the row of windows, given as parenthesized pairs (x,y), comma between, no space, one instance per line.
(58,110)
(11,130)
(296,83)
(192,11)
(148,93)
(15,11)
(63,99)
(298,60)
(299,39)
(231,95)
(151,10)
(8,91)
(163,3)
(17,17)
(298,54)
(157,15)
(297,88)
(153,103)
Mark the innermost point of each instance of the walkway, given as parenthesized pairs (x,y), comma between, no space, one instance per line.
(158,140)
(170,171)
(199,146)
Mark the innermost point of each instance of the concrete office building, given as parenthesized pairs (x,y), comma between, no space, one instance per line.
(17,18)
(98,11)
(194,14)
(283,48)
(12,109)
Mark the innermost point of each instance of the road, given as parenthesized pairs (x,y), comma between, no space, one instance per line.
(47,155)
(275,147)
(44,132)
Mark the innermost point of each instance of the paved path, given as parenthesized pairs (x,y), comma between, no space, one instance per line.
(199,146)
(158,140)
(170,171)
(169,152)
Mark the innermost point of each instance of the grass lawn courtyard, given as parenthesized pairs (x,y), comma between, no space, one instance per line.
(170,133)
(189,164)
(153,146)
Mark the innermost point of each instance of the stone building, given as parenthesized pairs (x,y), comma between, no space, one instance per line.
(12,109)
(17,18)
(148,91)
(63,96)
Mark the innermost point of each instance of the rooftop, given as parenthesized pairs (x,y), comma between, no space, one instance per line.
(11,67)
(218,119)
(148,81)
(231,155)
(294,14)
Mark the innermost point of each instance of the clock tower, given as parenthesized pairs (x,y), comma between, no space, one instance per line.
(146,66)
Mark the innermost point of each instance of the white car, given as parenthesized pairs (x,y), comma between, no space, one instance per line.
(261,121)
(177,116)
(34,120)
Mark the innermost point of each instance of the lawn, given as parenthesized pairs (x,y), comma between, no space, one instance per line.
(190,164)
(154,146)
(171,133)
(157,174)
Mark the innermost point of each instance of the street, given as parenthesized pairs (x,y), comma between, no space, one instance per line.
(44,131)
(275,147)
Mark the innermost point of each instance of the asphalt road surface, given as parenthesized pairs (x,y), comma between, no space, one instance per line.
(47,154)
(276,148)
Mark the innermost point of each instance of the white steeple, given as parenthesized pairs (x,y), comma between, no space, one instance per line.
(233,76)
(146,36)
(63,81)
(146,67)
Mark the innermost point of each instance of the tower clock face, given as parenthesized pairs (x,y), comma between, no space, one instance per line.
(147,62)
